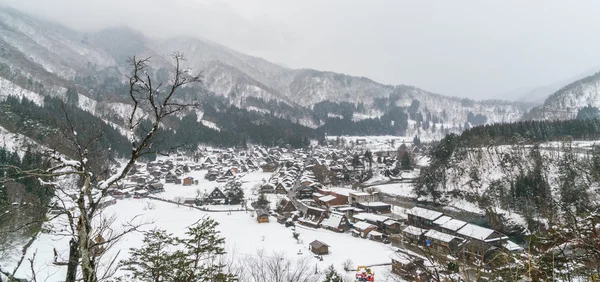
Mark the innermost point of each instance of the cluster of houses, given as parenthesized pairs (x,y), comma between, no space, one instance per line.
(447,236)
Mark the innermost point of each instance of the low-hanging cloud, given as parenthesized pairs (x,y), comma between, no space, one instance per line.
(473,48)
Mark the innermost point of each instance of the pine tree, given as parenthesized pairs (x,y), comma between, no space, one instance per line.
(262,202)
(235,195)
(332,275)
(164,257)
(72,96)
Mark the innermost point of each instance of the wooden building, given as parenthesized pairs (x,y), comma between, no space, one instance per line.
(423,218)
(262,216)
(409,267)
(318,247)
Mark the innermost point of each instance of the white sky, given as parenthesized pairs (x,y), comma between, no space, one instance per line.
(472,48)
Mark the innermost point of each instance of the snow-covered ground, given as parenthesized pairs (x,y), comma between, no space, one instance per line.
(211,124)
(397,189)
(249,185)
(244,237)
(8,88)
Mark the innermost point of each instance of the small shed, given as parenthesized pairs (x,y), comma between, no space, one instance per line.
(262,216)
(319,248)
(188,181)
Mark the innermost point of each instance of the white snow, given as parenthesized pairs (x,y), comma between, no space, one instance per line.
(8,88)
(211,124)
(244,237)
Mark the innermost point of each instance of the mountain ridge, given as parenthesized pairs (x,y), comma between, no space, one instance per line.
(96,64)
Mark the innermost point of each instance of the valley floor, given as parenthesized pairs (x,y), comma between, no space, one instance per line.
(244,235)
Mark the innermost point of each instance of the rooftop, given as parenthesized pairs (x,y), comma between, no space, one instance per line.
(334,220)
(477,232)
(442,220)
(327,198)
(434,234)
(425,213)
(375,204)
(317,244)
(361,225)
(370,217)
(414,230)
(453,224)
(359,193)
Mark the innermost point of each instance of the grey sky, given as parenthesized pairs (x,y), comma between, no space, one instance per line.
(474,48)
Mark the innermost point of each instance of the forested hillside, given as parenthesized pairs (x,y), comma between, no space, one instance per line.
(521,175)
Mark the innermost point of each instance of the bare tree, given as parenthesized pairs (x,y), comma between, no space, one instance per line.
(81,203)
(276,267)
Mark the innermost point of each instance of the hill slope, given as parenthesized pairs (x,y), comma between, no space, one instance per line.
(566,102)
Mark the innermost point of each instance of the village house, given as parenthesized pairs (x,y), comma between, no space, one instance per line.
(304,192)
(170,177)
(312,217)
(348,210)
(318,247)
(262,216)
(362,229)
(391,226)
(377,220)
(356,197)
(440,221)
(414,235)
(409,267)
(480,240)
(336,222)
(443,243)
(216,197)
(268,188)
(375,207)
(423,218)
(285,206)
(283,188)
(451,226)
(375,236)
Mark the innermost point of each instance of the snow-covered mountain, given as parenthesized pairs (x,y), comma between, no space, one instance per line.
(566,102)
(53,58)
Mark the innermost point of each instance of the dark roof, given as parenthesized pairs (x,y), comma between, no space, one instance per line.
(303,188)
(260,212)
(317,244)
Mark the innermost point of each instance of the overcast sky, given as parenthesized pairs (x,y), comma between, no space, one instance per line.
(475,48)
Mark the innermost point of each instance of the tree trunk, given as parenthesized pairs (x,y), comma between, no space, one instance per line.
(73,261)
(84,229)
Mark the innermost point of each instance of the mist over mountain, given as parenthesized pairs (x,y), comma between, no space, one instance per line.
(96,64)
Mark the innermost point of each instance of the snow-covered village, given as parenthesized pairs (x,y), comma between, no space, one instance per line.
(299,141)
(349,204)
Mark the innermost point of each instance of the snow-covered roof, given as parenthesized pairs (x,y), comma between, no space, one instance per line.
(511,246)
(453,224)
(359,193)
(434,234)
(370,217)
(375,233)
(425,213)
(375,204)
(442,220)
(361,225)
(477,232)
(334,220)
(414,230)
(318,195)
(327,198)
(340,191)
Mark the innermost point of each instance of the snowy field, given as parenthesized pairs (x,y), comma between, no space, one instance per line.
(397,189)
(244,237)
(250,184)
